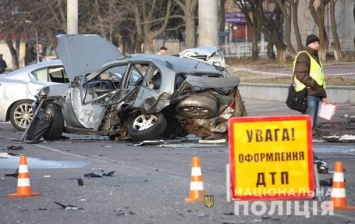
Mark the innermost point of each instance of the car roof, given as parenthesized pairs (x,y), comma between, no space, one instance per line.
(29,68)
(179,65)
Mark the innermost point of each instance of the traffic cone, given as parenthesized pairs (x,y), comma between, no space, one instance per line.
(197,192)
(338,196)
(23,183)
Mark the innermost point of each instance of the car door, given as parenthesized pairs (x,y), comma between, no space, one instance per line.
(149,91)
(92,97)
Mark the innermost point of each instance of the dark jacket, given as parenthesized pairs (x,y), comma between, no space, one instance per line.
(3,65)
(301,72)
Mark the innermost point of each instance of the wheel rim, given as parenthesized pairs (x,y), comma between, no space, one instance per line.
(144,122)
(195,111)
(23,115)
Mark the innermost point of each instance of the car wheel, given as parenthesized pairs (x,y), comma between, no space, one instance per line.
(21,114)
(147,127)
(198,106)
(54,131)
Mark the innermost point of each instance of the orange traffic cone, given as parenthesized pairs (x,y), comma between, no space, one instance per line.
(197,192)
(338,196)
(23,183)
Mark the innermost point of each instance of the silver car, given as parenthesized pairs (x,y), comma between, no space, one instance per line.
(18,90)
(137,97)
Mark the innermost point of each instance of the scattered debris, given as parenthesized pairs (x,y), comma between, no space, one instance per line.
(4,155)
(350,151)
(102,174)
(120,212)
(203,141)
(13,147)
(42,209)
(321,165)
(348,118)
(327,182)
(12,174)
(150,142)
(337,138)
(69,207)
(13,154)
(80,181)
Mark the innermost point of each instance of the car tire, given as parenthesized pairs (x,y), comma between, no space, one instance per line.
(147,127)
(198,106)
(21,114)
(55,131)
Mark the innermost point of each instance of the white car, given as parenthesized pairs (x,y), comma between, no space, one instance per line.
(18,90)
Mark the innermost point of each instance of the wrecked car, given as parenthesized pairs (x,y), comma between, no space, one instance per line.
(137,97)
(208,54)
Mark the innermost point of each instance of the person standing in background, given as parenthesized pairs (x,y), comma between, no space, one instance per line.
(163,50)
(3,64)
(308,73)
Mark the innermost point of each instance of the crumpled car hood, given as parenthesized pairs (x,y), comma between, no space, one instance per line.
(213,55)
(82,54)
(208,51)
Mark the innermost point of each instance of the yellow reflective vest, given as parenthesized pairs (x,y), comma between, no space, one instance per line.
(315,71)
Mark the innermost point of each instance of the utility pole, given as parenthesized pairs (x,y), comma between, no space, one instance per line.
(207,20)
(72,16)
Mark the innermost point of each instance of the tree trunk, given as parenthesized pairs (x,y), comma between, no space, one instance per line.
(13,52)
(254,44)
(280,46)
(270,50)
(294,6)
(148,44)
(286,12)
(322,33)
(335,45)
(318,17)
(190,27)
(281,53)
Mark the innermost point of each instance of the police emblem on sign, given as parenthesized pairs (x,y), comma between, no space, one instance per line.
(209,201)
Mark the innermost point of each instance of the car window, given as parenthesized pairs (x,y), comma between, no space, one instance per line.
(41,74)
(51,74)
(135,74)
(153,78)
(58,74)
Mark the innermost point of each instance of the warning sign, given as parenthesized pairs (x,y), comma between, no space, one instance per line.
(271,157)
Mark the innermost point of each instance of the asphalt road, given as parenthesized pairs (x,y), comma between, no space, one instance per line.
(149,184)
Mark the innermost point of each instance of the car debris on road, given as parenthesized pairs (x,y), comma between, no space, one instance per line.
(69,207)
(102,174)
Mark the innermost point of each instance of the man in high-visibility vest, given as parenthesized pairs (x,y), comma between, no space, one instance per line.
(308,73)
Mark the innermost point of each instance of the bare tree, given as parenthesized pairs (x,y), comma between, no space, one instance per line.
(289,9)
(103,17)
(251,9)
(317,13)
(13,25)
(151,20)
(189,8)
(336,44)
